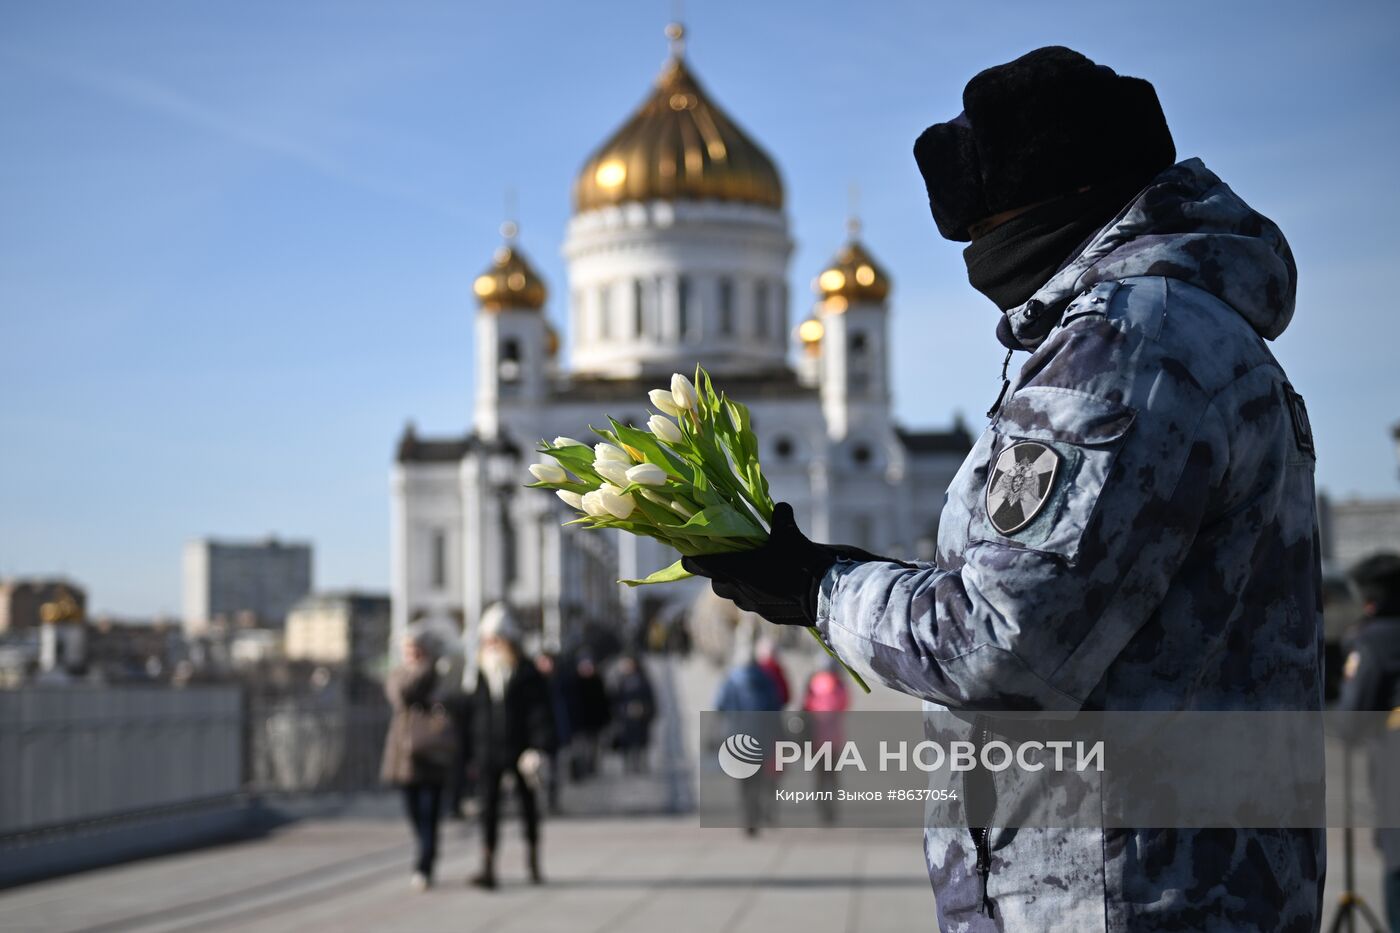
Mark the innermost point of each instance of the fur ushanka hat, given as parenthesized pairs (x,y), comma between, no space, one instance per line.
(1046,124)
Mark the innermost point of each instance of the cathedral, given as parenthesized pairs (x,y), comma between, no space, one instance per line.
(677,254)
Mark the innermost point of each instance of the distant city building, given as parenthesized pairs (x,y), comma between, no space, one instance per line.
(1355,529)
(252,646)
(677,253)
(245,583)
(125,650)
(346,628)
(22,600)
(62,638)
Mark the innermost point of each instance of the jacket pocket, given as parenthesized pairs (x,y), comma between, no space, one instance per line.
(1049,462)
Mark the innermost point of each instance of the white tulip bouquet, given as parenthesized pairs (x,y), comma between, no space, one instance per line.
(693,483)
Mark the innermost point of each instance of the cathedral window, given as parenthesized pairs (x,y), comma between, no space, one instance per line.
(726,307)
(509,567)
(639,321)
(862,455)
(784,448)
(858,376)
(509,365)
(439,560)
(683,306)
(760,324)
(604,311)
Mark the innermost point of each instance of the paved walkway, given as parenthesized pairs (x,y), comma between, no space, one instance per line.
(642,874)
(615,862)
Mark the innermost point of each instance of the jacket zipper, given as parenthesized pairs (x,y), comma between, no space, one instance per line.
(981,835)
(1005,384)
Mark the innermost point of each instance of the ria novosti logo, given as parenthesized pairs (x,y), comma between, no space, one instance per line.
(740,756)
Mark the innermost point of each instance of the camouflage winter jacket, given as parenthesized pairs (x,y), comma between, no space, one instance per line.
(1150,545)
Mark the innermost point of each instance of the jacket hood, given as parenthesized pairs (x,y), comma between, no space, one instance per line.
(1186,224)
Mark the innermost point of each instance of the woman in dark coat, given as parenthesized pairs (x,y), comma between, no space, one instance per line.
(421,772)
(512,733)
(591,714)
(634,708)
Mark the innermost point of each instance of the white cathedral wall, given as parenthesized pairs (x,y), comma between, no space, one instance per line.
(621,255)
(426,530)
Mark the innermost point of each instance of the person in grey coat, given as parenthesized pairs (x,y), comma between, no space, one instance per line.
(1134,530)
(412,689)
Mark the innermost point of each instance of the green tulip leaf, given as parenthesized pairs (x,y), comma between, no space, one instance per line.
(665,575)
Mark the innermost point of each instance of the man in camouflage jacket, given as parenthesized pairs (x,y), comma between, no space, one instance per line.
(1135,529)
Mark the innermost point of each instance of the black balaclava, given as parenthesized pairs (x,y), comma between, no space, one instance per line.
(1012,261)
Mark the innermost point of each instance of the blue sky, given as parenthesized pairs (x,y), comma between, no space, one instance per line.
(237,240)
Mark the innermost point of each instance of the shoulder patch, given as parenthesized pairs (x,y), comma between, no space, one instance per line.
(1019,484)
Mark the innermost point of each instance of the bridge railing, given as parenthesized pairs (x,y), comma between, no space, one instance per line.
(78,754)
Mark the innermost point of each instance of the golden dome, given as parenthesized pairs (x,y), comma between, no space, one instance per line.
(853,276)
(811,332)
(678,145)
(510,282)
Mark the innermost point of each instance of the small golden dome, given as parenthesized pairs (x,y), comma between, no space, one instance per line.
(678,145)
(809,335)
(62,609)
(551,341)
(510,282)
(853,276)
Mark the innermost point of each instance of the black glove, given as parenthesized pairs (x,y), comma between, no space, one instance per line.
(780,579)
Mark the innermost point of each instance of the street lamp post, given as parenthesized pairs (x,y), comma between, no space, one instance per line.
(1395,436)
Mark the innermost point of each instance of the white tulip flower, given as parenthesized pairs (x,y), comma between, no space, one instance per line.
(612,499)
(593,504)
(683,393)
(572,499)
(665,429)
(549,473)
(562,441)
(661,398)
(612,471)
(607,451)
(647,474)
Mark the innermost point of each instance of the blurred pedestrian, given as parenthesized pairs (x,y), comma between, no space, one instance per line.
(766,651)
(747,688)
(590,713)
(512,732)
(825,702)
(634,708)
(1371,681)
(459,789)
(420,747)
(555,683)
